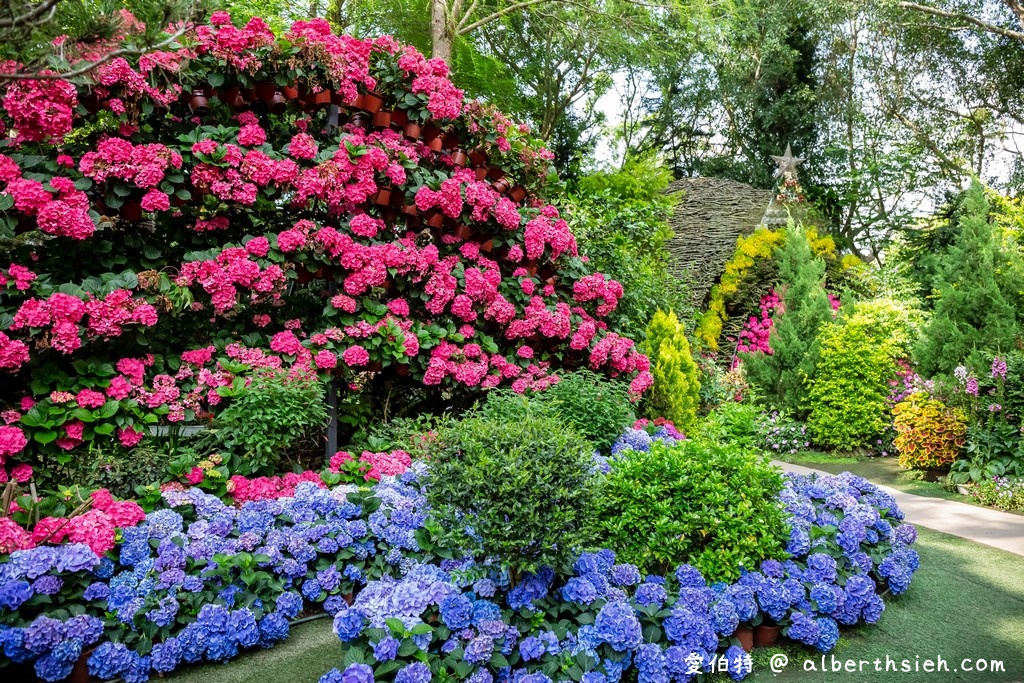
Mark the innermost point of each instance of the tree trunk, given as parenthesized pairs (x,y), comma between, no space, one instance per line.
(440,30)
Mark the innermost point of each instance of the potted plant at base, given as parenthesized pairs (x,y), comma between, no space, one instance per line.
(766,633)
(745,635)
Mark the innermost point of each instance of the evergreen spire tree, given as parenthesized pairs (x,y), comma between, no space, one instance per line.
(676,391)
(974,312)
(782,376)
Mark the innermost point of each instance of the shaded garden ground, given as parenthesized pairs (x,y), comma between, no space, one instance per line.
(985,619)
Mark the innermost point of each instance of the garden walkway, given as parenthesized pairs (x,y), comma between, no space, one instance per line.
(990,527)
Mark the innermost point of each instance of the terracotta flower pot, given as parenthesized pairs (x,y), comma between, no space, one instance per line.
(531,267)
(338,99)
(745,634)
(80,672)
(496,173)
(478,157)
(410,210)
(130,211)
(460,158)
(435,145)
(487,247)
(198,103)
(413,130)
(235,98)
(399,118)
(451,141)
(264,91)
(91,103)
(435,219)
(290,92)
(322,98)
(402,370)
(382,197)
(501,185)
(766,636)
(372,102)
(382,119)
(278,103)
(517,193)
(481,172)
(431,132)
(463,231)
(361,120)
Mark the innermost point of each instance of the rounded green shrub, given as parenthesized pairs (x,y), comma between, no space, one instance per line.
(709,504)
(520,491)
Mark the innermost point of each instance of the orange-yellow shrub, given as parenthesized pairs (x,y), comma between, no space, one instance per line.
(929,433)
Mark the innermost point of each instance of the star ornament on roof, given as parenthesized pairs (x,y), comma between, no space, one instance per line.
(787,163)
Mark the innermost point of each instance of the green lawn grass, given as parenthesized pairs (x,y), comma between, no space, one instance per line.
(966,601)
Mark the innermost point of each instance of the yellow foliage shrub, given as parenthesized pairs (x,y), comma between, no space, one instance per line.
(928,432)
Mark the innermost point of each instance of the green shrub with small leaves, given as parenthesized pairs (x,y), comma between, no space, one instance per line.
(849,393)
(275,413)
(521,491)
(710,504)
(596,407)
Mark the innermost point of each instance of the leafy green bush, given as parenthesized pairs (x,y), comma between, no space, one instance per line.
(676,391)
(505,405)
(710,504)
(597,408)
(849,394)
(733,423)
(520,491)
(410,434)
(275,413)
(993,448)
(621,223)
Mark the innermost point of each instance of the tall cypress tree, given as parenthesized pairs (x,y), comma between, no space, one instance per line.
(975,311)
(781,377)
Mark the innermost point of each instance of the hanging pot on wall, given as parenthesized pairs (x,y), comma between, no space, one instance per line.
(382,119)
(382,197)
(517,193)
(372,102)
(264,91)
(435,219)
(399,118)
(501,186)
(198,103)
(478,157)
(130,211)
(361,120)
(413,130)
(460,158)
(278,103)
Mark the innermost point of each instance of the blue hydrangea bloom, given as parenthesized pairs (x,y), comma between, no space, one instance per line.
(617,625)
(348,624)
(417,672)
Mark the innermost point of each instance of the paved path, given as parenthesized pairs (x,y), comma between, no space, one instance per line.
(991,527)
